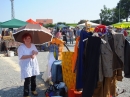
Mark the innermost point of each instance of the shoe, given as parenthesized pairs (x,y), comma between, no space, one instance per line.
(27,96)
(34,93)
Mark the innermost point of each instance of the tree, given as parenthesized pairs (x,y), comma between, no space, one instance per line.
(82,21)
(61,23)
(109,16)
(124,7)
(106,15)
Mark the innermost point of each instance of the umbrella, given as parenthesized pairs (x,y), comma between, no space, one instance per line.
(39,34)
(122,24)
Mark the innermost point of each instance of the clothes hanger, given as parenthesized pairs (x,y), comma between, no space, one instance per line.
(96,35)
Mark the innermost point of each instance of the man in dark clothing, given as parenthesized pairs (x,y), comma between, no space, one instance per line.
(64,36)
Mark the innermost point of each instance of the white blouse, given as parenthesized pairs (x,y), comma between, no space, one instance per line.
(29,67)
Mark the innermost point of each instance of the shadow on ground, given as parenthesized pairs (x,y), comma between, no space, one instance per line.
(17,91)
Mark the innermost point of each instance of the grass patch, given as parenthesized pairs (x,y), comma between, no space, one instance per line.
(72,24)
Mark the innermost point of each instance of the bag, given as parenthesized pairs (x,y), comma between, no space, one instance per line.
(54,91)
(56,71)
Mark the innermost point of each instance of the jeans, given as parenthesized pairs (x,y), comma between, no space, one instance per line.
(71,40)
(27,82)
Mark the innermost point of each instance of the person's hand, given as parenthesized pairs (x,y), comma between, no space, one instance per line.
(33,56)
(34,52)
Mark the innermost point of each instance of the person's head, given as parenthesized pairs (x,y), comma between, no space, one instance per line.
(27,38)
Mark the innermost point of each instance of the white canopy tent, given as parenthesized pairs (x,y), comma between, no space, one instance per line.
(90,23)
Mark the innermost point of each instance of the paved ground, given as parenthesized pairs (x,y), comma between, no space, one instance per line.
(10,82)
(12,86)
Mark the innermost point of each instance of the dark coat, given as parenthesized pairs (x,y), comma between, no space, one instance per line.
(127,59)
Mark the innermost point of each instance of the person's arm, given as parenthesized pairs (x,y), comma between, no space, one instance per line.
(21,54)
(26,56)
(35,51)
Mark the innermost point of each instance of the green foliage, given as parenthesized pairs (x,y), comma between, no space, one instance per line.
(61,23)
(107,16)
(72,24)
(124,6)
(49,25)
(111,16)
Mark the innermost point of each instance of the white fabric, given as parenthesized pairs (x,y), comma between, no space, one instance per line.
(90,23)
(47,73)
(29,67)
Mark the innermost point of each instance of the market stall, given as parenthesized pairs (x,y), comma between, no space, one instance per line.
(32,21)
(95,66)
(7,42)
(89,23)
(13,23)
(122,25)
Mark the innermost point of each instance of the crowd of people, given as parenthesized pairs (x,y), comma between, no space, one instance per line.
(66,34)
(69,34)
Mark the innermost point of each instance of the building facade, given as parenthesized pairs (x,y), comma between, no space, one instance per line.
(44,21)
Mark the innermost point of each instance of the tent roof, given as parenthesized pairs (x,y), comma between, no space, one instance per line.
(61,25)
(14,23)
(122,24)
(90,23)
(31,21)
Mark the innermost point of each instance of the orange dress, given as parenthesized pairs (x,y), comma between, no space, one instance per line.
(75,54)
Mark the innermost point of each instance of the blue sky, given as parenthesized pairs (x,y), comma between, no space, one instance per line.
(69,11)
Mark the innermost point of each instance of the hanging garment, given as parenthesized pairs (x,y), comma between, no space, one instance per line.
(116,63)
(100,69)
(107,87)
(47,73)
(75,54)
(79,67)
(101,29)
(107,54)
(54,48)
(127,59)
(91,66)
(57,41)
(56,52)
(60,44)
